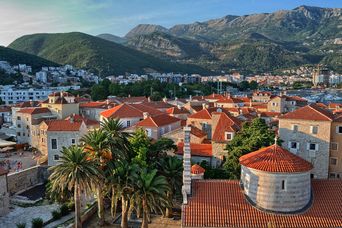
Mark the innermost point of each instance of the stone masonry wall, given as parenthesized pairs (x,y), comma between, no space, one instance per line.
(27,178)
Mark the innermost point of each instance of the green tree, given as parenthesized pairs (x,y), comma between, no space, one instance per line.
(96,144)
(253,85)
(74,171)
(172,169)
(150,192)
(251,137)
(140,144)
(156,96)
(98,92)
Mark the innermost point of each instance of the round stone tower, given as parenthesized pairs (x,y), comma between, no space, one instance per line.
(276,180)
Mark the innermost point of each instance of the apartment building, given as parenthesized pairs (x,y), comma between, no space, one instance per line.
(307,133)
(283,103)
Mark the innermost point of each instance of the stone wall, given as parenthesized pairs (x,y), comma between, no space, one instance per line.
(21,181)
(336,138)
(265,189)
(4,196)
(320,158)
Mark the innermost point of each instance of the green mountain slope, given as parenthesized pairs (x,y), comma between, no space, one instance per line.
(113,38)
(96,54)
(253,43)
(17,57)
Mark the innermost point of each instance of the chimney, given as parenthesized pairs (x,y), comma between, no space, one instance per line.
(107,102)
(190,98)
(149,99)
(186,188)
(146,115)
(204,106)
(164,99)
(71,119)
(178,106)
(61,94)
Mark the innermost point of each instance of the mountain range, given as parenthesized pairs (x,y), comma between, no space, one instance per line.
(254,43)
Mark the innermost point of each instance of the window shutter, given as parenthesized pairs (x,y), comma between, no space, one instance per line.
(308,146)
(297,145)
(289,145)
(317,147)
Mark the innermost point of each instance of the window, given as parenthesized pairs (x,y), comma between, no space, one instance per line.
(128,123)
(295,127)
(333,161)
(73,141)
(274,104)
(293,145)
(228,136)
(314,130)
(149,132)
(312,146)
(54,144)
(283,185)
(19,126)
(339,129)
(42,140)
(334,146)
(18,133)
(18,118)
(56,157)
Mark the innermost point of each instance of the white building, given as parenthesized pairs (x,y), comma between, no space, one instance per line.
(41,76)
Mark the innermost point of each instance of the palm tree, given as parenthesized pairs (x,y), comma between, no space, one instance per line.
(150,192)
(117,138)
(119,176)
(76,171)
(96,144)
(172,169)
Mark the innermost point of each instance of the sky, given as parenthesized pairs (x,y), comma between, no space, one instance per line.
(22,17)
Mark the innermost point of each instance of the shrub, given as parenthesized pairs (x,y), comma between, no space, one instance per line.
(56,215)
(37,223)
(21,225)
(64,209)
(71,205)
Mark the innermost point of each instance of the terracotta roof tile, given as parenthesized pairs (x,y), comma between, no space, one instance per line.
(33,111)
(63,125)
(129,110)
(175,110)
(5,109)
(158,104)
(98,104)
(202,150)
(275,159)
(197,132)
(226,123)
(197,169)
(221,203)
(229,100)
(310,112)
(80,118)
(270,114)
(213,96)
(157,121)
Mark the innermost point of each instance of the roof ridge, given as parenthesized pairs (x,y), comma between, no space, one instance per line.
(319,111)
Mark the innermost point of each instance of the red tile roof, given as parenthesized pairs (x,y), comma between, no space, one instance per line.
(80,118)
(229,100)
(98,104)
(175,111)
(158,104)
(33,111)
(206,113)
(213,96)
(335,106)
(63,125)
(270,114)
(275,159)
(202,150)
(197,169)
(310,112)
(157,121)
(197,132)
(26,104)
(129,111)
(221,203)
(225,123)
(5,109)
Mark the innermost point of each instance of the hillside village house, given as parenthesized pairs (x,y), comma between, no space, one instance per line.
(92,110)
(61,104)
(158,125)
(261,96)
(51,136)
(129,114)
(307,133)
(283,103)
(17,107)
(28,117)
